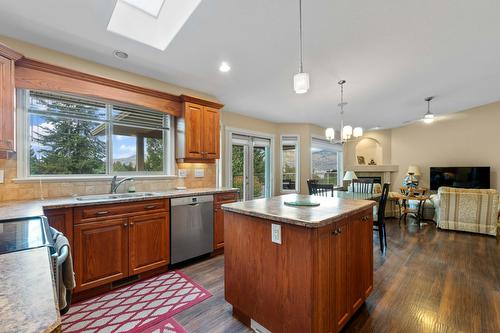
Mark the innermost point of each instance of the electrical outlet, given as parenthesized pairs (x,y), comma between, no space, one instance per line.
(1,176)
(276,233)
(183,173)
(198,173)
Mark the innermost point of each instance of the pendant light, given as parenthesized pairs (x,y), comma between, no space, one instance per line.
(346,132)
(429,116)
(301,79)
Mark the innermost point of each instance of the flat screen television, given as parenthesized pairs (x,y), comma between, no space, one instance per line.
(464,177)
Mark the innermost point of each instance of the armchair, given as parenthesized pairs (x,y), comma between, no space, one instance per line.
(471,210)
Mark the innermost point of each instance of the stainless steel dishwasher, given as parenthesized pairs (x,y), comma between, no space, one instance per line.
(191,227)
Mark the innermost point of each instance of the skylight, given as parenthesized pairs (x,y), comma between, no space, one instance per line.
(152,7)
(136,19)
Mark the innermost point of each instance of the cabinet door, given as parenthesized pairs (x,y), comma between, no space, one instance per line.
(211,135)
(149,242)
(218,228)
(193,115)
(62,220)
(6,104)
(367,255)
(101,252)
(341,281)
(361,258)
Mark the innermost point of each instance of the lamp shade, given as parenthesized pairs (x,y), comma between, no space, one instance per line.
(347,132)
(301,83)
(357,132)
(330,133)
(414,170)
(350,175)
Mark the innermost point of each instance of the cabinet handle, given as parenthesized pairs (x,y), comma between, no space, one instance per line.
(131,224)
(104,212)
(334,232)
(339,230)
(150,207)
(125,224)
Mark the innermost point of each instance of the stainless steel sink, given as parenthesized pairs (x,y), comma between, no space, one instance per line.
(114,196)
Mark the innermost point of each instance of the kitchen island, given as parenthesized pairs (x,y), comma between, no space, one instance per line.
(298,269)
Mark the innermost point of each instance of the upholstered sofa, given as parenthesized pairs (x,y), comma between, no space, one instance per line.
(472,210)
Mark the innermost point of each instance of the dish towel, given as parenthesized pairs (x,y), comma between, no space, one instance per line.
(66,275)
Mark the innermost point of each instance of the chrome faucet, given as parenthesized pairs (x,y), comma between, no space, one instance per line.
(115,184)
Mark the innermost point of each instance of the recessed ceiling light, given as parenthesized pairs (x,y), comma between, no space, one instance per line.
(151,7)
(224,67)
(135,19)
(120,54)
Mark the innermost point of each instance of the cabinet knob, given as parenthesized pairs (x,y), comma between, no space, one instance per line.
(125,224)
(339,230)
(131,224)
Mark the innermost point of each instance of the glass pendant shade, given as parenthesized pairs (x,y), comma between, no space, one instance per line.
(301,83)
(357,132)
(347,132)
(330,134)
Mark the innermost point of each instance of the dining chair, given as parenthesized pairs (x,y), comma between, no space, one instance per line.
(362,185)
(379,218)
(318,189)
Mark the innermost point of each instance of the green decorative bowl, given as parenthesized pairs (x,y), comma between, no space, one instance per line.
(302,203)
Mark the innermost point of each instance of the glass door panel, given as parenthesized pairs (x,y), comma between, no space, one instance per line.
(251,166)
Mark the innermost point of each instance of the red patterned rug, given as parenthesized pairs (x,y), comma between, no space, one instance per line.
(145,306)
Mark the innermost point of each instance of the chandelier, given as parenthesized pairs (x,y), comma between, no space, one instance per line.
(346,132)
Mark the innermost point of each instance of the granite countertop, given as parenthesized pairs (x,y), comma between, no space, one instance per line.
(30,208)
(27,297)
(330,209)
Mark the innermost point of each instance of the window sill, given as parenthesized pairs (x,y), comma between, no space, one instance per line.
(59,179)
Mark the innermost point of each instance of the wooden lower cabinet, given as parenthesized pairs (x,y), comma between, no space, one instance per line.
(361,270)
(101,252)
(62,220)
(114,247)
(148,242)
(314,281)
(220,199)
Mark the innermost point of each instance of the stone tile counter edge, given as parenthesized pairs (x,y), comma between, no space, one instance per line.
(29,208)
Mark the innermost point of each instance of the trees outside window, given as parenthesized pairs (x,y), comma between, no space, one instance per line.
(68,135)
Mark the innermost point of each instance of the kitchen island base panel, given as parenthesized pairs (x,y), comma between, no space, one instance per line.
(314,281)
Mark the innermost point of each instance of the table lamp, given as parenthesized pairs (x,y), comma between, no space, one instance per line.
(349,176)
(411,179)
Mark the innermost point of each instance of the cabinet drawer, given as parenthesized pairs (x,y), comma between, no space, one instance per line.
(97,211)
(226,197)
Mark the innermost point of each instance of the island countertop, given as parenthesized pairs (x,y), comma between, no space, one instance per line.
(329,211)
(27,297)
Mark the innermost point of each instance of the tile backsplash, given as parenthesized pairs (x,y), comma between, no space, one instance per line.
(11,190)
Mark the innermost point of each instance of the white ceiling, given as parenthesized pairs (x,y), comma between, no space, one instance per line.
(393,53)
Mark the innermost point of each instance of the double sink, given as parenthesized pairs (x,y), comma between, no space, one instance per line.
(115,196)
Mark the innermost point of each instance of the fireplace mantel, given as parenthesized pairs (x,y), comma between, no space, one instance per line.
(373,168)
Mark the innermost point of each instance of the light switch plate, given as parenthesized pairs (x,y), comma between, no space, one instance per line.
(199,173)
(1,176)
(183,173)
(276,233)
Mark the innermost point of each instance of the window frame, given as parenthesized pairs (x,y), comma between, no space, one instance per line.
(295,143)
(23,143)
(340,158)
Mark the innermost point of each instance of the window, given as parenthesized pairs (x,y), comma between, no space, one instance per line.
(68,135)
(290,163)
(326,161)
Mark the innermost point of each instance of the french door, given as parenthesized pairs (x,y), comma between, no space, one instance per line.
(251,166)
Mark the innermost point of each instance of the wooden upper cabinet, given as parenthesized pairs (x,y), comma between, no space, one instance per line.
(7,97)
(198,131)
(193,115)
(211,136)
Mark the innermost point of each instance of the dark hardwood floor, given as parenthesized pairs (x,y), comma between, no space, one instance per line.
(429,281)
